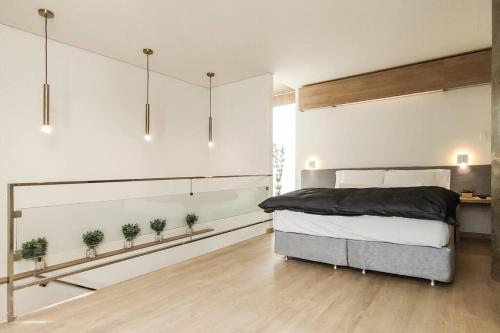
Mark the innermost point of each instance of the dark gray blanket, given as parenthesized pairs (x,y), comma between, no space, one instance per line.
(424,202)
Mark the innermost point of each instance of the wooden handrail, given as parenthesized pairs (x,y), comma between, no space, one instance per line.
(99,181)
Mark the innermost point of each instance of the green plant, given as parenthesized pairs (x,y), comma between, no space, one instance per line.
(158,225)
(191,219)
(35,249)
(130,231)
(278,163)
(93,238)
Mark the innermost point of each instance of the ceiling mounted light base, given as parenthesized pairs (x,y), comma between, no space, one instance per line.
(210,74)
(147,51)
(45,13)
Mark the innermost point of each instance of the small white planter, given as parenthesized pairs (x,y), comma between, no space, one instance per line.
(158,237)
(91,252)
(128,244)
(40,264)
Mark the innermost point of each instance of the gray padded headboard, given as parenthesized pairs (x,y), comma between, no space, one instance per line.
(477,177)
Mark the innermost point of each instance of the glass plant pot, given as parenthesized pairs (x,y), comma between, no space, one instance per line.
(91,252)
(158,237)
(189,230)
(40,264)
(128,244)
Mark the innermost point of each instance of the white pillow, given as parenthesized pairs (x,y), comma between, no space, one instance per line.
(347,185)
(410,184)
(427,177)
(366,177)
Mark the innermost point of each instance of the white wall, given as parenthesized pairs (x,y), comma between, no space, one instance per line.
(242,125)
(97,111)
(427,129)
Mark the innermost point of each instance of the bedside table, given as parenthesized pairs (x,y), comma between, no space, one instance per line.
(473,215)
(475,200)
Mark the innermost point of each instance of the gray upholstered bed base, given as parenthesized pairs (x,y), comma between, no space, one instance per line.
(322,249)
(417,261)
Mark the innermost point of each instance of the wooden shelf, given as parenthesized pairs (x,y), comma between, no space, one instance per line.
(476,200)
(24,275)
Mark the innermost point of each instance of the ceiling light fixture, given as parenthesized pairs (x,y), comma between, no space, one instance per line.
(46,128)
(210,134)
(147,134)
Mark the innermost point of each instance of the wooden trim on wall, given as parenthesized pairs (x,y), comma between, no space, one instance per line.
(441,74)
(468,69)
(284,99)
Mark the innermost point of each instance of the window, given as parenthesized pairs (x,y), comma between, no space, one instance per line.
(284,138)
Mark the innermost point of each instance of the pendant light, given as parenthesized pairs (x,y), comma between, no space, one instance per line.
(46,128)
(147,134)
(210,133)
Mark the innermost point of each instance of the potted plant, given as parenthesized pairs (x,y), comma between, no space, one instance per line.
(92,238)
(278,165)
(191,219)
(35,250)
(130,232)
(158,225)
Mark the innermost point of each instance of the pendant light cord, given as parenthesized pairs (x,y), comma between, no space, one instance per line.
(46,71)
(210,96)
(147,80)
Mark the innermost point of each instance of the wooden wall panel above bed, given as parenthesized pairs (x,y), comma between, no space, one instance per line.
(440,74)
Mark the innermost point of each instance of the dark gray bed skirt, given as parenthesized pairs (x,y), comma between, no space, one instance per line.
(417,261)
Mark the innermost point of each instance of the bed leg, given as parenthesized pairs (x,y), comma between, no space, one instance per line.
(335,267)
(286,258)
(363,272)
(433,283)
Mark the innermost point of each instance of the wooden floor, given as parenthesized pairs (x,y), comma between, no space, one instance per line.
(247,288)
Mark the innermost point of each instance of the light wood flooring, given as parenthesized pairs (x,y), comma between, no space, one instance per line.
(247,288)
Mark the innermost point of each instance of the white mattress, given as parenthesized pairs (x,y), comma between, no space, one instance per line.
(398,230)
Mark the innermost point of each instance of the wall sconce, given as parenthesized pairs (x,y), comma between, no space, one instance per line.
(312,164)
(463,160)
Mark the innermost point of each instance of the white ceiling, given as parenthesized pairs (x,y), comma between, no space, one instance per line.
(300,42)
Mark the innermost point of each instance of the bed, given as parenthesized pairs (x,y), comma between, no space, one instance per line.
(393,221)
